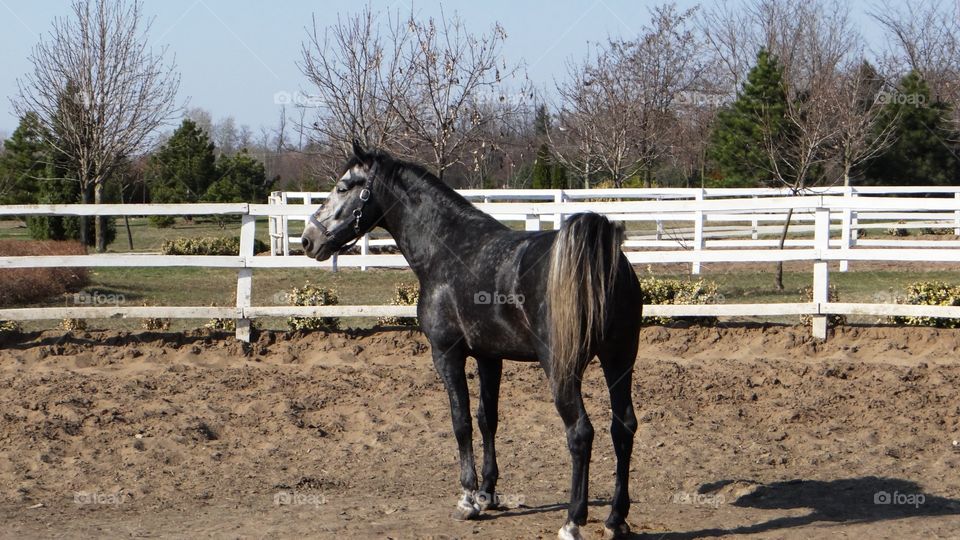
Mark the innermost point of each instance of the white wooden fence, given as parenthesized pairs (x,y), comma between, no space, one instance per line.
(683,227)
(820,214)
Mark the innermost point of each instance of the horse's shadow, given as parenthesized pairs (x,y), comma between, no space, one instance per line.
(848,500)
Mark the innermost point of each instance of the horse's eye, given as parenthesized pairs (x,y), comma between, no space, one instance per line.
(341,189)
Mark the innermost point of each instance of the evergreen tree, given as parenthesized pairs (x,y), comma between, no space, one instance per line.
(59,186)
(542,169)
(559,176)
(182,170)
(541,121)
(241,179)
(744,128)
(22,162)
(922,152)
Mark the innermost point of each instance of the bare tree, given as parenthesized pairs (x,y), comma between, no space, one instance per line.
(454,76)
(860,134)
(730,44)
(923,37)
(615,109)
(355,69)
(100,91)
(420,88)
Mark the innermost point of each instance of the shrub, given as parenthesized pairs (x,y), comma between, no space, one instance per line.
(312,295)
(162,222)
(73,325)
(26,285)
(10,326)
(898,231)
(228,325)
(407,294)
(931,293)
(832,296)
(155,324)
(674,291)
(937,231)
(209,245)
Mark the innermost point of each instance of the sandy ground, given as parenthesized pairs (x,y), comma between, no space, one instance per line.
(745,432)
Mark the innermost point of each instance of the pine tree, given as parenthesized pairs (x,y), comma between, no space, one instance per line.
(241,179)
(744,128)
(922,152)
(22,162)
(182,170)
(58,185)
(559,175)
(542,169)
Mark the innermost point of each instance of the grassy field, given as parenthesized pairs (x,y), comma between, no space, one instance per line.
(217,287)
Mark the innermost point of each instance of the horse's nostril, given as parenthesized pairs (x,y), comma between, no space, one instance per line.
(306,243)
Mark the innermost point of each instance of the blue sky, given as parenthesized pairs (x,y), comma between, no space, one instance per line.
(235,55)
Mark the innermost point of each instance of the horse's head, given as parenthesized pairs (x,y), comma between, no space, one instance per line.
(349,211)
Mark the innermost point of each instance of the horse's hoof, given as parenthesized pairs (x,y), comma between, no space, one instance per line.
(466,511)
(618,531)
(570,531)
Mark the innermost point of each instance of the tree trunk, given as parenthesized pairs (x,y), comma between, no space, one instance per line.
(100,225)
(126,222)
(783,239)
(86,197)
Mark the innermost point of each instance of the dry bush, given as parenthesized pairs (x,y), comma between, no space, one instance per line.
(26,285)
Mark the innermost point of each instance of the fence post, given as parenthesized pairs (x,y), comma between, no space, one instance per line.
(285,225)
(558,198)
(698,219)
(755,224)
(364,249)
(532,222)
(821,277)
(272,224)
(846,239)
(956,217)
(248,229)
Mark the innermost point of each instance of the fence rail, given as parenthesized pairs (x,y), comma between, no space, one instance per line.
(697,219)
(820,217)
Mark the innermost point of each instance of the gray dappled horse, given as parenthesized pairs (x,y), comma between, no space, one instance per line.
(554,297)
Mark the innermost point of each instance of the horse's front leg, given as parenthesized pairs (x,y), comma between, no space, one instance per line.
(450,363)
(490,371)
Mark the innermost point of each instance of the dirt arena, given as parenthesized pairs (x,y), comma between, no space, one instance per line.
(745,432)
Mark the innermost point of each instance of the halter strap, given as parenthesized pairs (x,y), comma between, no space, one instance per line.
(365,194)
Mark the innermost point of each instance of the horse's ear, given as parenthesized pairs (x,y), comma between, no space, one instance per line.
(359,152)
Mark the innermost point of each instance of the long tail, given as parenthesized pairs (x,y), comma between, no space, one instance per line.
(583,269)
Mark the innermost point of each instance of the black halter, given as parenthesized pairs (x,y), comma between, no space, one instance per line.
(357,214)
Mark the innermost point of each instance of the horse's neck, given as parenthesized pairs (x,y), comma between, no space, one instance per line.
(429,226)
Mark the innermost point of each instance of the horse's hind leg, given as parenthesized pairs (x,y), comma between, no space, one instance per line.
(489,371)
(569,402)
(617,361)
